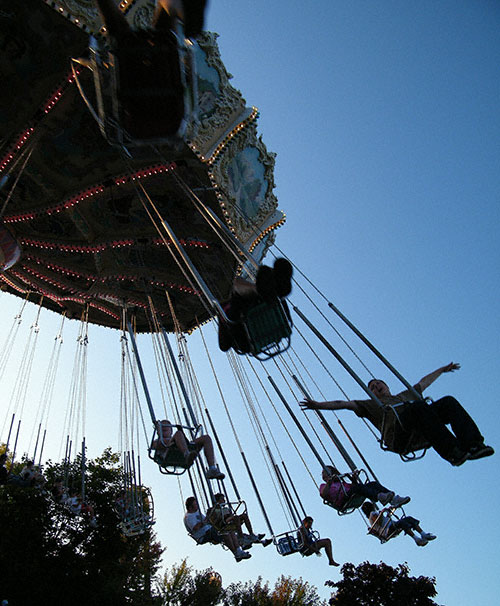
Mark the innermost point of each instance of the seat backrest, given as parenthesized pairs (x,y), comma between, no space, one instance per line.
(347,502)
(382,526)
(172,458)
(165,452)
(215,517)
(400,440)
(287,545)
(267,325)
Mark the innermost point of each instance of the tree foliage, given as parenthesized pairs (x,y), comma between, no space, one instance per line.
(381,585)
(50,555)
(184,587)
(286,592)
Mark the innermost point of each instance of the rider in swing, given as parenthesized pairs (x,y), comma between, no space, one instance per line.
(271,284)
(463,443)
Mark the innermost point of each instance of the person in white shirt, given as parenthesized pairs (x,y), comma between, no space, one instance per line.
(203,532)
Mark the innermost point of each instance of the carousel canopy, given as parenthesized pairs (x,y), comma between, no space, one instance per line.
(71,199)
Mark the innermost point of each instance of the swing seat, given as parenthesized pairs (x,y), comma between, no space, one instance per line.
(173,462)
(416,449)
(10,251)
(382,539)
(136,513)
(216,519)
(145,88)
(380,533)
(354,502)
(218,514)
(350,502)
(305,550)
(170,459)
(410,445)
(208,542)
(289,542)
(136,525)
(129,530)
(287,546)
(349,506)
(268,330)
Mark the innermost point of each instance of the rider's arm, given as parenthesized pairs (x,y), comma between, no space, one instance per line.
(431,377)
(329,405)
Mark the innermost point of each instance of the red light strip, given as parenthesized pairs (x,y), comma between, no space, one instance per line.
(88,193)
(47,107)
(95,279)
(96,248)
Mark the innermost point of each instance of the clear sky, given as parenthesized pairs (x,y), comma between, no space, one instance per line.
(384,119)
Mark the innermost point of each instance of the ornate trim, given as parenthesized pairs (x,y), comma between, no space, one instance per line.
(229,103)
(85,15)
(82,13)
(219,176)
(95,279)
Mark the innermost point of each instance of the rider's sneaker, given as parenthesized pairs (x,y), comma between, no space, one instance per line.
(214,474)
(479,451)
(242,555)
(398,501)
(458,457)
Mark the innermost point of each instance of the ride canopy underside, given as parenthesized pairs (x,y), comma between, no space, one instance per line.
(75,204)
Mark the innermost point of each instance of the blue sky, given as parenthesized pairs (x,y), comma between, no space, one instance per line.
(384,118)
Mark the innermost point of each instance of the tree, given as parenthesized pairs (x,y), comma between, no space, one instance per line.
(381,585)
(286,592)
(50,555)
(183,587)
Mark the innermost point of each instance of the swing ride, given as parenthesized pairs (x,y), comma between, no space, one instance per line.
(147,236)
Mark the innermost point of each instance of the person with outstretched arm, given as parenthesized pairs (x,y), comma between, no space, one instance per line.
(464,441)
